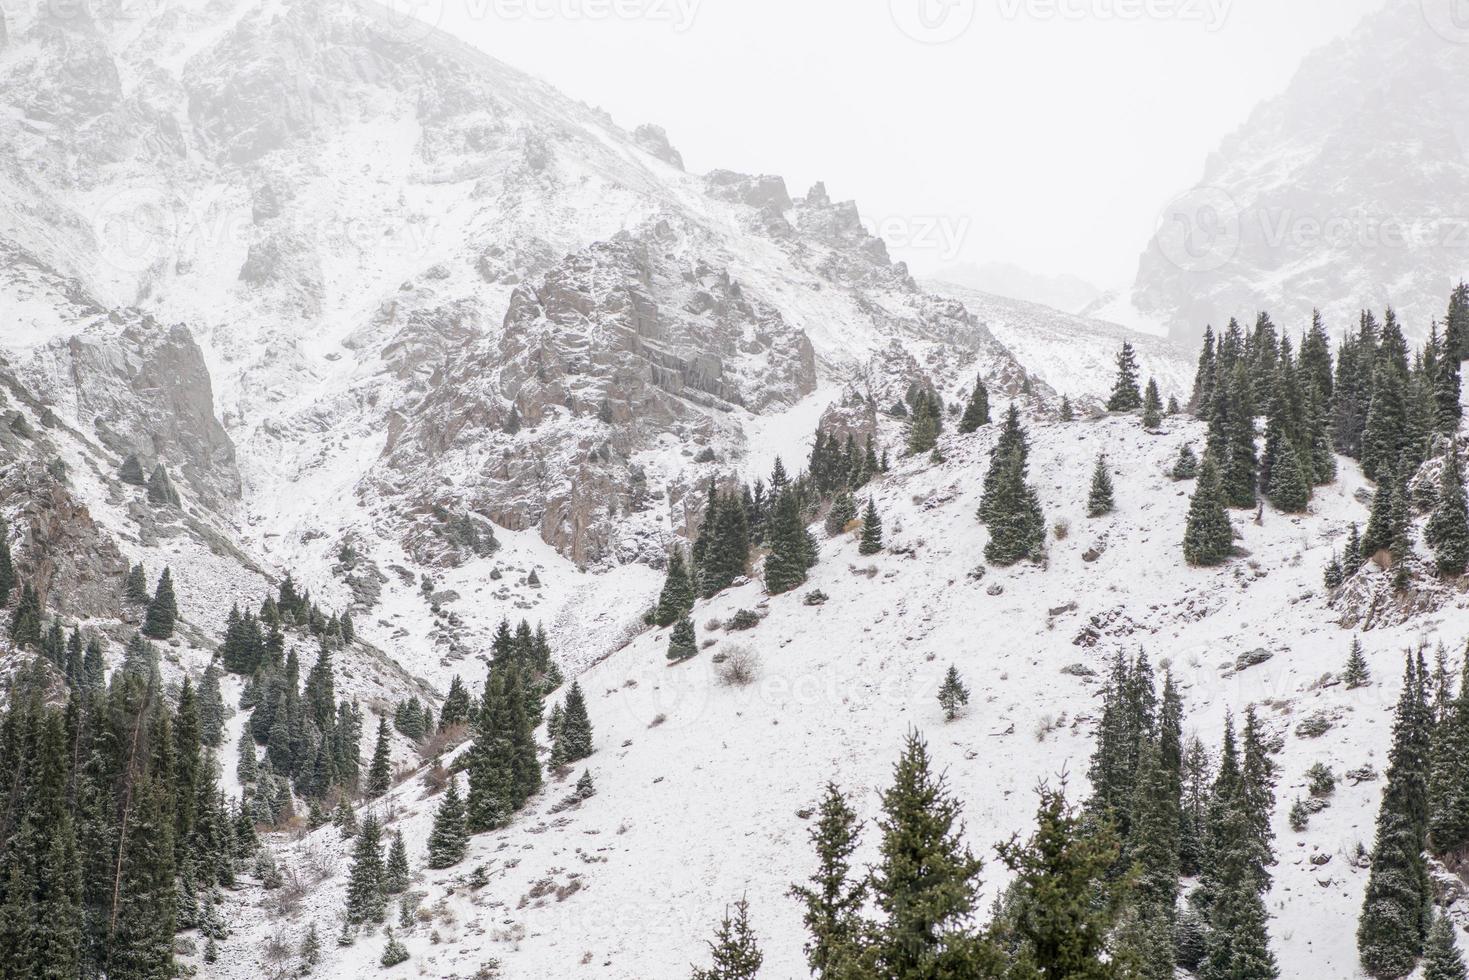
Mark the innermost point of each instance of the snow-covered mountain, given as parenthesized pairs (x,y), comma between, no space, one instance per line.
(447,346)
(1064,292)
(1349,190)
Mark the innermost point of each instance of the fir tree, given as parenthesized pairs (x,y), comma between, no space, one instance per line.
(834,899)
(394,952)
(1065,908)
(366,900)
(1356,674)
(1203,390)
(1100,501)
(871,542)
(923,426)
(735,950)
(380,772)
(1208,539)
(455,709)
(926,882)
(1186,466)
(790,547)
(1447,531)
(1152,407)
(310,951)
(25,621)
(1333,576)
(395,872)
(682,642)
(842,512)
(163,610)
(1012,510)
(1289,491)
(1126,395)
(977,412)
(7,566)
(574,731)
(677,597)
(953,695)
(1442,960)
(1067,413)
(1393,924)
(449,839)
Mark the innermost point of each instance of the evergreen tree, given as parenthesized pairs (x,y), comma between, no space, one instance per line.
(1152,406)
(926,882)
(1126,395)
(833,900)
(1442,960)
(574,731)
(1012,509)
(1208,539)
(842,512)
(735,950)
(871,542)
(7,566)
(395,872)
(163,610)
(1186,466)
(380,772)
(1100,501)
(455,709)
(1289,491)
(394,952)
(1204,375)
(977,412)
(25,621)
(1447,531)
(1448,784)
(682,642)
(790,548)
(1234,417)
(366,900)
(677,597)
(449,839)
(953,695)
(1067,413)
(1356,673)
(1394,920)
(1456,325)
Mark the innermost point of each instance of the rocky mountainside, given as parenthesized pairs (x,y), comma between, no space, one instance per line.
(1349,190)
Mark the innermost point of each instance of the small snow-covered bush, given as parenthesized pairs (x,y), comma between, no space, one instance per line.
(740,666)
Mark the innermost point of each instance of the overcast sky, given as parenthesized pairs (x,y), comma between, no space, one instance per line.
(1048,133)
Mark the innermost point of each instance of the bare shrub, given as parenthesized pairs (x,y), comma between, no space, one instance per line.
(1062,530)
(740,667)
(442,741)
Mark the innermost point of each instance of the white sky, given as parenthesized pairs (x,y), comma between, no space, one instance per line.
(1048,133)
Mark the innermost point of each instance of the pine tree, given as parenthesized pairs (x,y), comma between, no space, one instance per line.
(923,426)
(380,772)
(1393,924)
(735,950)
(925,884)
(1442,960)
(449,839)
(310,951)
(1152,407)
(677,596)
(842,512)
(1239,466)
(395,872)
(574,733)
(25,621)
(977,412)
(683,643)
(1125,393)
(1289,490)
(1012,509)
(1067,413)
(790,547)
(161,491)
(953,695)
(833,900)
(1447,531)
(1186,466)
(1208,539)
(1100,501)
(1204,375)
(1065,907)
(163,610)
(7,566)
(871,542)
(1356,674)
(455,709)
(366,900)
(1448,784)
(1333,576)
(394,952)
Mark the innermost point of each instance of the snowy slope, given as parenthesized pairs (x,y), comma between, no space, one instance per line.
(699,784)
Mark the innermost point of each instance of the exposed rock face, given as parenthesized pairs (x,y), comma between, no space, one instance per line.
(655,141)
(144,389)
(1349,190)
